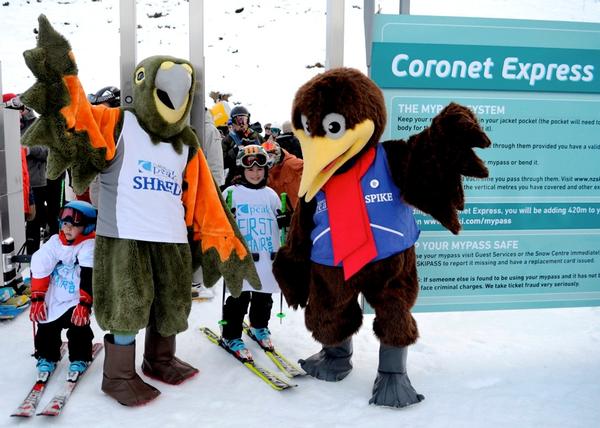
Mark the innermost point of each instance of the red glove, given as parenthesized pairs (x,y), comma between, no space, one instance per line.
(81,314)
(39,286)
(37,311)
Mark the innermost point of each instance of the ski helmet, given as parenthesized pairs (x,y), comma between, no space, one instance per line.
(79,213)
(239,111)
(109,94)
(251,155)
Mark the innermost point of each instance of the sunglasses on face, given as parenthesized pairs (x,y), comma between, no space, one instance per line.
(250,160)
(71,216)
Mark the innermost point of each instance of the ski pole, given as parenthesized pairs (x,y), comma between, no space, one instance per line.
(280,315)
(33,327)
(223,321)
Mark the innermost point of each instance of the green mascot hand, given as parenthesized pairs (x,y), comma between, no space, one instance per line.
(50,62)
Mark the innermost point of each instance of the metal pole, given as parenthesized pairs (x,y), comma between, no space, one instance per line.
(128,58)
(334,48)
(3,174)
(404,7)
(196,34)
(368,12)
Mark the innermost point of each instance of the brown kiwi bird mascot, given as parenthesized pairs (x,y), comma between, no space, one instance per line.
(354,231)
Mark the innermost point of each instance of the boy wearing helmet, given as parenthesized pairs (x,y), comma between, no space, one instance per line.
(256,209)
(61,289)
(240,135)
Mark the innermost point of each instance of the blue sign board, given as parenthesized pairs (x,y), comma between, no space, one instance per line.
(531,231)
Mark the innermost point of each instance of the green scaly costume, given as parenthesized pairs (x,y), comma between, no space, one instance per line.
(137,283)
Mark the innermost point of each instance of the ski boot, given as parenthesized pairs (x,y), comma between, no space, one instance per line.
(45,366)
(45,369)
(392,387)
(237,347)
(78,366)
(262,336)
(200,292)
(331,364)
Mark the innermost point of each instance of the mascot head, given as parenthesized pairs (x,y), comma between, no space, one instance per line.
(336,116)
(163,89)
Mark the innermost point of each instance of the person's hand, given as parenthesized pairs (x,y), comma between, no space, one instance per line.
(283,219)
(81,315)
(37,311)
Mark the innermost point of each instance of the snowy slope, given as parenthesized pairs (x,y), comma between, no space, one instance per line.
(477,369)
(530,368)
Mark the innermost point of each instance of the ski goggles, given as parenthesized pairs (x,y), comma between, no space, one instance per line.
(69,215)
(257,159)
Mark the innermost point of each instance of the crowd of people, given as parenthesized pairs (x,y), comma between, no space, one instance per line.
(250,164)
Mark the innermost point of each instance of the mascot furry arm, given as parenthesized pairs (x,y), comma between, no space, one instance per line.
(82,138)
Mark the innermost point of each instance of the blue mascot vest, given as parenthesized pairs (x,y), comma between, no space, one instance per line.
(392,222)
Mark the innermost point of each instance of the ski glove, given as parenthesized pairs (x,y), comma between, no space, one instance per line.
(39,286)
(81,313)
(37,311)
(283,219)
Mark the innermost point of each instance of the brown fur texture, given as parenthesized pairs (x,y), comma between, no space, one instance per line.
(389,286)
(428,169)
(342,90)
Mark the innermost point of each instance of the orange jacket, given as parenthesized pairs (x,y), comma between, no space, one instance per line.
(25,170)
(285,177)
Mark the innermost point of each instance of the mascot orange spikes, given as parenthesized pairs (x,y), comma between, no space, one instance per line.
(354,231)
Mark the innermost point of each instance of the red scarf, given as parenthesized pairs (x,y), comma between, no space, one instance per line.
(351,234)
(80,238)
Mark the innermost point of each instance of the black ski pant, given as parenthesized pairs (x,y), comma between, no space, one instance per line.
(236,307)
(48,339)
(47,200)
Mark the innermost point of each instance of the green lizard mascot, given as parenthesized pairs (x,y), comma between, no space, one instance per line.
(160,212)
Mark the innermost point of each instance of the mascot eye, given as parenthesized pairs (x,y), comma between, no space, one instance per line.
(304,120)
(334,125)
(140,74)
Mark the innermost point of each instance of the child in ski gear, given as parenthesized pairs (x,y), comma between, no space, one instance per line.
(256,208)
(61,289)
(285,172)
(240,134)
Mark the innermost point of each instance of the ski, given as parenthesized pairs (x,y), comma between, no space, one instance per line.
(30,403)
(267,376)
(56,404)
(287,368)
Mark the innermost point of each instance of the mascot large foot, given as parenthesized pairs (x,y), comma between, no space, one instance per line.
(160,361)
(120,380)
(331,364)
(392,387)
